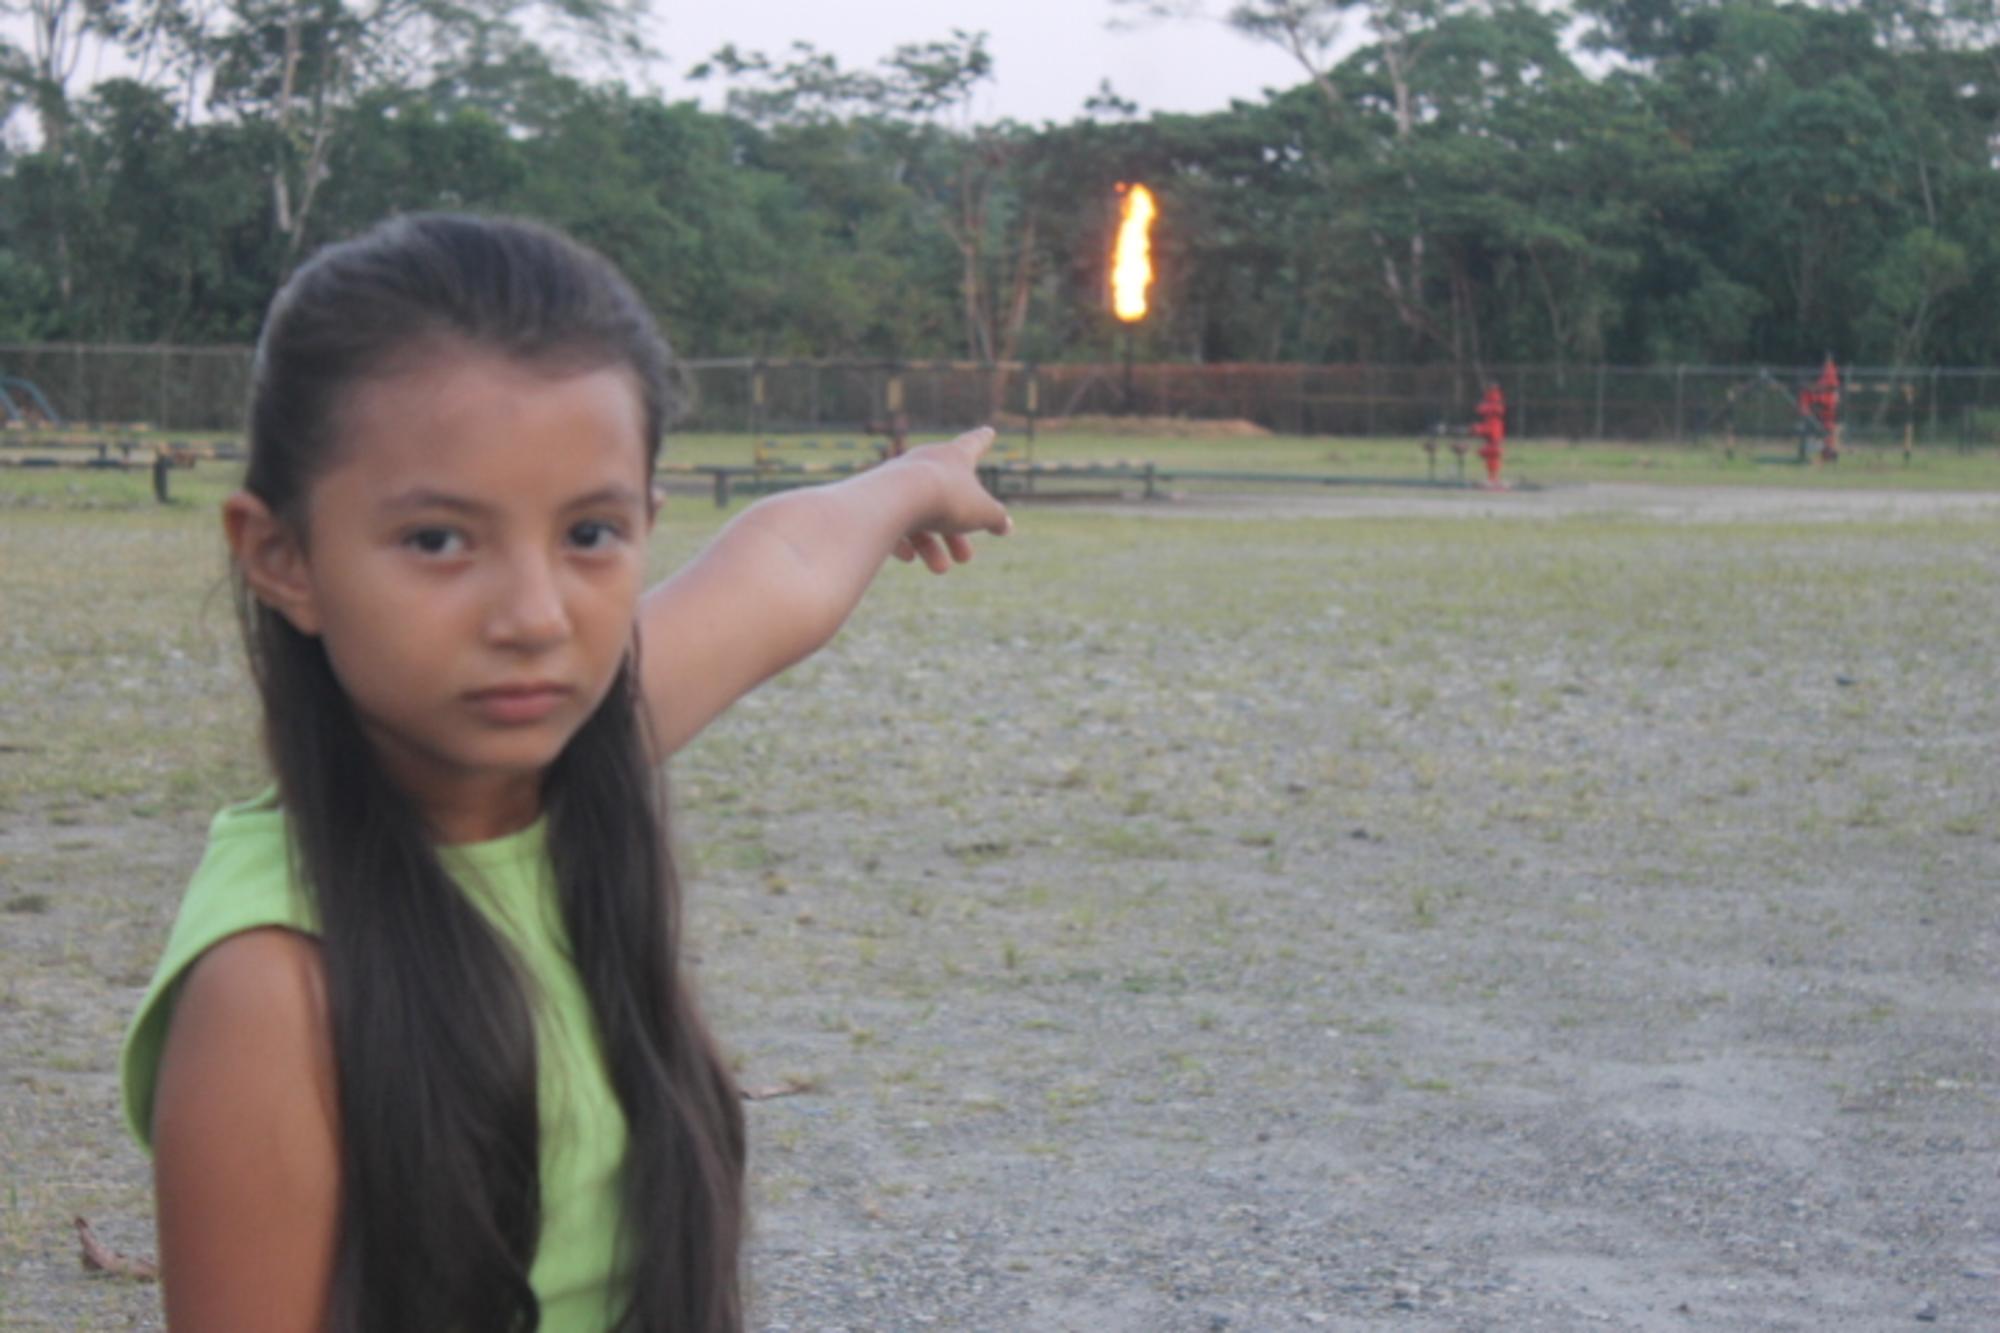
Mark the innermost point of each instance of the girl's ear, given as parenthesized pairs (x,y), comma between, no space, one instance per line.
(272,560)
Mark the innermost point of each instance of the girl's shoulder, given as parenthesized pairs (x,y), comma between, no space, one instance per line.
(246,1135)
(243,883)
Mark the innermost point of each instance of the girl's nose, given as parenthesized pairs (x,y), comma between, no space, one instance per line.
(529,612)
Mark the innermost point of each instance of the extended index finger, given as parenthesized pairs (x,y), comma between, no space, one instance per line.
(976,442)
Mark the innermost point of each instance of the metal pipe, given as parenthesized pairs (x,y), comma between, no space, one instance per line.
(1131,406)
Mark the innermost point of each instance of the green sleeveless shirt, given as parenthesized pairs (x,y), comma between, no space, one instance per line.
(244,882)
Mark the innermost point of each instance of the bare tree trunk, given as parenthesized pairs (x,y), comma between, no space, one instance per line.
(1467,353)
(977,335)
(1406,288)
(65,277)
(1559,328)
(323,114)
(281,191)
(57,29)
(1021,289)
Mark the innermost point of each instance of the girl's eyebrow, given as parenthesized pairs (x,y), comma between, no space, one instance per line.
(615,494)
(424,497)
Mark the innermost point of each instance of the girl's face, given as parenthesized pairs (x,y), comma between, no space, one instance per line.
(473,560)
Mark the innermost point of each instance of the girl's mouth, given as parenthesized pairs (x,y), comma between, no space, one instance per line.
(516,705)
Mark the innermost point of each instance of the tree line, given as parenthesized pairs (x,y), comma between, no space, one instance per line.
(1450,181)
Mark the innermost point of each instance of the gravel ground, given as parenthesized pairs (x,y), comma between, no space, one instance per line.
(1319,915)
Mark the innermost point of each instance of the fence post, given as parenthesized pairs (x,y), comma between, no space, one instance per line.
(1034,396)
(893,402)
(1598,433)
(1680,380)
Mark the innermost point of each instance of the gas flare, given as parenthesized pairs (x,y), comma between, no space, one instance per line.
(1132,262)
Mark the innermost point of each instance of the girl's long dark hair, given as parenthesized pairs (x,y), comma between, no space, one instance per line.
(433,1034)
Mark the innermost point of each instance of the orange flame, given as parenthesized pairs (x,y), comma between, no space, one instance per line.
(1132,265)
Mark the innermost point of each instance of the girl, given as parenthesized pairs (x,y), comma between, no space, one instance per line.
(422,1054)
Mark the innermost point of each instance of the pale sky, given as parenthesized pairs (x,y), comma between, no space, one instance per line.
(1048,55)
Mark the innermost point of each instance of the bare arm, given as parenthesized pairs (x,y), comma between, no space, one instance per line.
(784,575)
(246,1142)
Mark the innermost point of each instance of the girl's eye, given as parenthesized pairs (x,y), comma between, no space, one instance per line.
(435,541)
(593,535)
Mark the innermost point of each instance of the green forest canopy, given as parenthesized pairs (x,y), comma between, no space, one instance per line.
(1637,181)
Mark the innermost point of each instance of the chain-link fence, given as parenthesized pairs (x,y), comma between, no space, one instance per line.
(170,388)
(206,388)
(1671,404)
